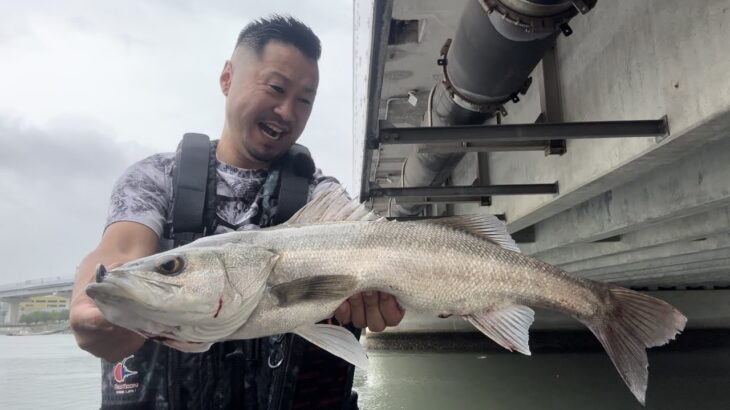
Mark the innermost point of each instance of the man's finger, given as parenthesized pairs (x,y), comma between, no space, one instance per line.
(374,318)
(357,311)
(392,313)
(342,314)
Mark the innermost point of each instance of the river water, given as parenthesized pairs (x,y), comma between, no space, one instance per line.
(47,372)
(51,372)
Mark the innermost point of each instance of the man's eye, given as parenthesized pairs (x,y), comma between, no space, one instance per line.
(276,88)
(305,101)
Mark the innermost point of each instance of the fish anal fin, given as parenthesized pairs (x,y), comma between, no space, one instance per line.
(507,325)
(337,340)
(326,287)
(485,226)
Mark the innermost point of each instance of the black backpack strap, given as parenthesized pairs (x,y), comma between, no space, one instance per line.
(194,189)
(296,173)
(292,175)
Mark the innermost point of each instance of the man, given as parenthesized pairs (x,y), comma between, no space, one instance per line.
(270,84)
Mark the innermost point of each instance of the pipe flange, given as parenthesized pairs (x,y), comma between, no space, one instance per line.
(537,23)
(458,98)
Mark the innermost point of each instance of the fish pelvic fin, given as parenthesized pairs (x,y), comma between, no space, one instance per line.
(485,226)
(332,204)
(315,288)
(188,347)
(635,322)
(337,340)
(507,325)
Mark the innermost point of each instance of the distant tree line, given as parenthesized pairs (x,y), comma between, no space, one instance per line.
(41,316)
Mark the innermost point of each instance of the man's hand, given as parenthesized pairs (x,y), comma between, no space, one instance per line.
(94,333)
(374,310)
(121,242)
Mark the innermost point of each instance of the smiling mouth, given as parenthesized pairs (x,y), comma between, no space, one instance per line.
(272,131)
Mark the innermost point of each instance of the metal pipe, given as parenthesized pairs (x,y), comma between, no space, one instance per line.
(490,58)
(496,46)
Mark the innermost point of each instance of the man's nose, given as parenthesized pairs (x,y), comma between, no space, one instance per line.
(285,110)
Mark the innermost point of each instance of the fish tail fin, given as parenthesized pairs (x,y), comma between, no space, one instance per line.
(635,322)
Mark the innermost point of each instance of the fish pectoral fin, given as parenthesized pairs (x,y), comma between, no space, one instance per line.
(315,288)
(507,325)
(337,340)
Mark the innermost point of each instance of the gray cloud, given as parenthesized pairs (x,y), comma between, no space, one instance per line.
(128,71)
(56,187)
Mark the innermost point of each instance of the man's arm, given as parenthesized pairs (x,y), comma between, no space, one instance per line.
(121,242)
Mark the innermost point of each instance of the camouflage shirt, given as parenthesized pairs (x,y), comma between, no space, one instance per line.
(144,194)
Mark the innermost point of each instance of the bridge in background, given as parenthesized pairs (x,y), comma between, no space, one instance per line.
(14,293)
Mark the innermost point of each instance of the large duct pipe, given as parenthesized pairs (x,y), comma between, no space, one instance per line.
(497,45)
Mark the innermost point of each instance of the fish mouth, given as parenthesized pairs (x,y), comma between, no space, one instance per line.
(158,310)
(123,311)
(159,302)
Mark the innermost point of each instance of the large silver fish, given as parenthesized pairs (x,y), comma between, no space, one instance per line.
(288,278)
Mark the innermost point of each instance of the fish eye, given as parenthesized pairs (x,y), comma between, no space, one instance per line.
(170,266)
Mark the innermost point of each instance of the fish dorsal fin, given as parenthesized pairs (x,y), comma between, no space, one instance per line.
(485,226)
(332,204)
(314,288)
(336,340)
(507,325)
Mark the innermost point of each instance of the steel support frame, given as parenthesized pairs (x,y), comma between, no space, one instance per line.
(465,191)
(510,133)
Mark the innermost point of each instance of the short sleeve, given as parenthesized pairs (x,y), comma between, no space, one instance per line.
(143,193)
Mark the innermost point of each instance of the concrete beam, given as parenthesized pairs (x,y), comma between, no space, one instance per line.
(701,273)
(701,225)
(720,241)
(680,264)
(710,279)
(694,184)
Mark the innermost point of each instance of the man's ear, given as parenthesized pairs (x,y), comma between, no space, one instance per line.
(226,77)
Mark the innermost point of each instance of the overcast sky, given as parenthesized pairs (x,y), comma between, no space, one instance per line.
(89,87)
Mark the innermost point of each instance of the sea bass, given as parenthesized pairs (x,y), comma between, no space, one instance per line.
(286,279)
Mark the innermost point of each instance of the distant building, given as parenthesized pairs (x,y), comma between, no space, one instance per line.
(48,303)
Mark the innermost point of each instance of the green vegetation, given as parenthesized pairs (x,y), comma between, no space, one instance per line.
(40,316)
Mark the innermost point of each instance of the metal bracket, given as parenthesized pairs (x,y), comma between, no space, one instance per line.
(537,23)
(457,97)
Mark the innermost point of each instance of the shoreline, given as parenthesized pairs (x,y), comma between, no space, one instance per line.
(36,330)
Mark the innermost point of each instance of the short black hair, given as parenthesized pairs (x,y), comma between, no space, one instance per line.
(286,29)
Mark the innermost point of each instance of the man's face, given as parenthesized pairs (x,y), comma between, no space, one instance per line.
(268,100)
